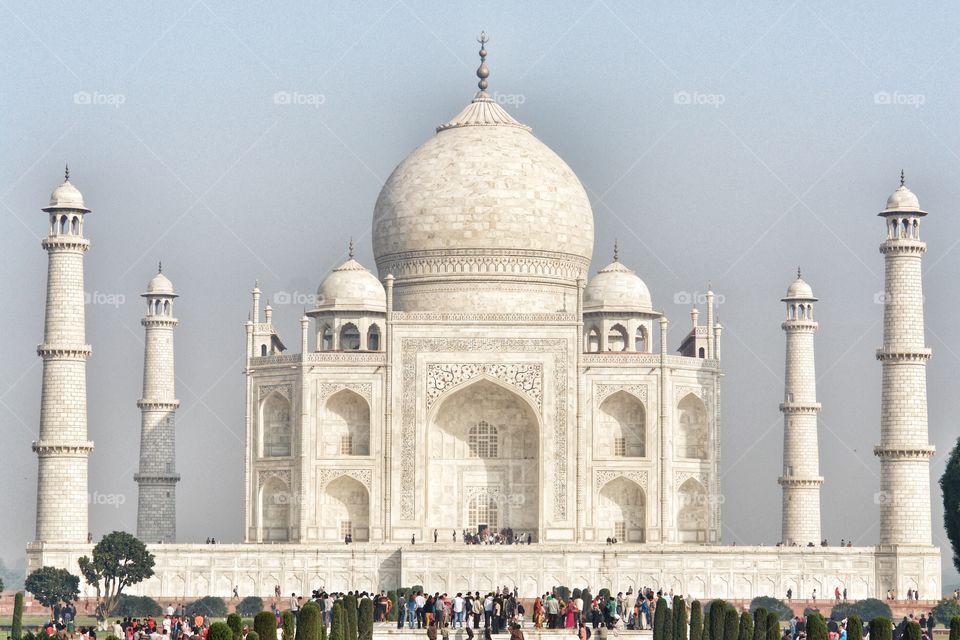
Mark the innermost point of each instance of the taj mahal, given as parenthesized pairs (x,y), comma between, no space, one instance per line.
(479,377)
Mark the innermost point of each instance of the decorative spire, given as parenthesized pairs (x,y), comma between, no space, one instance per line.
(902,179)
(66,173)
(482,71)
(798,272)
(616,250)
(160,267)
(350,248)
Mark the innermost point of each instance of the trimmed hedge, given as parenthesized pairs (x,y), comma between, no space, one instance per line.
(137,607)
(219,631)
(696,620)
(16,628)
(253,635)
(350,608)
(209,606)
(309,627)
(338,622)
(816,627)
(759,623)
(236,625)
(731,623)
(659,620)
(913,631)
(265,624)
(679,618)
(365,620)
(854,628)
(746,626)
(955,628)
(773,626)
(881,628)
(289,623)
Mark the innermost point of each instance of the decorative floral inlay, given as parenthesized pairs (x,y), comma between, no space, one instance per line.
(526,377)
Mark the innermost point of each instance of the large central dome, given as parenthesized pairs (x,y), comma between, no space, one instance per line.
(483,217)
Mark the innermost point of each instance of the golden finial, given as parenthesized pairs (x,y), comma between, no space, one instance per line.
(482,71)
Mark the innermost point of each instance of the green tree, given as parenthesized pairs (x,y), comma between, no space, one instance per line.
(945,611)
(759,622)
(866,609)
(265,624)
(659,620)
(309,627)
(119,560)
(778,607)
(338,622)
(667,624)
(913,631)
(773,626)
(365,620)
(696,620)
(881,628)
(816,627)
(950,485)
(16,627)
(679,618)
(854,628)
(746,626)
(731,623)
(236,625)
(955,628)
(350,609)
(137,607)
(210,606)
(288,622)
(715,616)
(250,606)
(220,631)
(587,598)
(253,635)
(51,586)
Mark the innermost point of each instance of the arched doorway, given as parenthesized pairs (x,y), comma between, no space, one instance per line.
(622,511)
(346,425)
(621,428)
(345,509)
(692,428)
(275,511)
(275,428)
(483,461)
(693,515)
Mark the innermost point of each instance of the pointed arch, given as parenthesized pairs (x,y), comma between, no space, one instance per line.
(641,341)
(693,515)
(593,340)
(617,339)
(326,338)
(346,425)
(691,428)
(276,431)
(621,427)
(349,337)
(275,511)
(373,338)
(621,511)
(345,509)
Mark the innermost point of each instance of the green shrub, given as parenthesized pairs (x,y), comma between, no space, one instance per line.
(945,611)
(913,631)
(16,627)
(604,593)
(365,620)
(731,623)
(309,627)
(816,627)
(338,622)
(746,626)
(659,620)
(759,622)
(289,622)
(955,628)
(771,604)
(417,588)
(265,624)
(667,624)
(679,618)
(587,599)
(350,609)
(137,607)
(866,609)
(854,628)
(253,635)
(696,620)
(29,636)
(209,606)
(220,631)
(562,592)
(235,624)
(392,597)
(250,606)
(773,626)
(881,628)
(716,615)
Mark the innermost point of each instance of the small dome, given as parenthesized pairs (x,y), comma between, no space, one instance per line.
(799,290)
(903,200)
(66,196)
(616,288)
(351,286)
(160,285)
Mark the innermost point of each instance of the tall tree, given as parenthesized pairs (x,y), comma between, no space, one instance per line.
(119,560)
(696,620)
(679,618)
(950,486)
(51,586)
(760,624)
(746,626)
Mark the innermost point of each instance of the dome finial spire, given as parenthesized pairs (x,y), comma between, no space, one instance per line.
(350,248)
(482,71)
(902,179)
(798,272)
(160,267)
(66,173)
(616,250)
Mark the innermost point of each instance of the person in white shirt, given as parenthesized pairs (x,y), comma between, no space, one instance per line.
(169,610)
(458,610)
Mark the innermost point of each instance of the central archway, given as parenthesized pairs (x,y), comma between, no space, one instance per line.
(483,461)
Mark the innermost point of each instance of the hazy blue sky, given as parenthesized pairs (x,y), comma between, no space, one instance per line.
(722,142)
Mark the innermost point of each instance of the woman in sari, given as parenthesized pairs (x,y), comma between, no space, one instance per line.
(538,613)
(570,614)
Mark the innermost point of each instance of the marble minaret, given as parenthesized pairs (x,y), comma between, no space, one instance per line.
(157,478)
(63,448)
(801,478)
(904,449)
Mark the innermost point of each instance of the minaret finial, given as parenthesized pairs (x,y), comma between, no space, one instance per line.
(616,250)
(350,248)
(482,71)
(902,179)
(66,173)
(798,272)
(160,267)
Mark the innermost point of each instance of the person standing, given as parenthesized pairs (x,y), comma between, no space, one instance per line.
(458,610)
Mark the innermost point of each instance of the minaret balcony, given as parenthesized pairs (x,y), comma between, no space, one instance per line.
(915,452)
(800,407)
(912,355)
(49,447)
(800,482)
(158,405)
(64,352)
(895,246)
(65,242)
